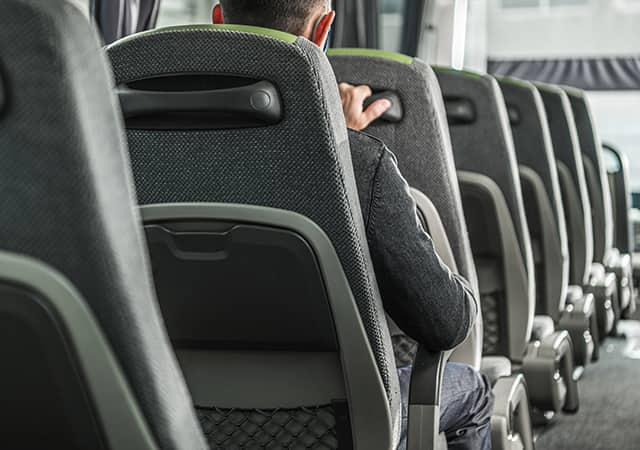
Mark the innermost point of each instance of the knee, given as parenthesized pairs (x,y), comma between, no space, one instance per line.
(473,386)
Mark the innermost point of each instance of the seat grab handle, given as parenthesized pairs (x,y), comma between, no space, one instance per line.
(259,101)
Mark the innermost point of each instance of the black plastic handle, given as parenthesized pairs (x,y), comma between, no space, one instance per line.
(259,101)
(514,114)
(395,113)
(460,111)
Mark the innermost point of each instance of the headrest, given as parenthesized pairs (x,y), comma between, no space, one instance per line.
(421,139)
(67,197)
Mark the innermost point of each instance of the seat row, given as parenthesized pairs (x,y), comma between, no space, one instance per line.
(255,300)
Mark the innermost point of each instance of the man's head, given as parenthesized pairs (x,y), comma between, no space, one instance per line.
(309,18)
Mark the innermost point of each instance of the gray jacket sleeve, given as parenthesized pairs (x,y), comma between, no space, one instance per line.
(428,302)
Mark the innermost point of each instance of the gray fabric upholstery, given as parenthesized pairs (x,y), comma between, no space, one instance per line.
(422,146)
(302,164)
(484,145)
(572,179)
(534,150)
(421,141)
(595,174)
(67,197)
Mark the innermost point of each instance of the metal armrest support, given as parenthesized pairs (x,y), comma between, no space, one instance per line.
(424,400)
(511,421)
(548,367)
(603,287)
(580,321)
(620,265)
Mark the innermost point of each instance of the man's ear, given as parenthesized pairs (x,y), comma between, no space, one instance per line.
(217,15)
(322,29)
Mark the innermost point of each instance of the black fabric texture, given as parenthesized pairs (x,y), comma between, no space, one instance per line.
(420,142)
(302,164)
(426,300)
(67,198)
(593,74)
(300,428)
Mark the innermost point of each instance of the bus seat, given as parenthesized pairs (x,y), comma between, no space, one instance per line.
(269,133)
(486,164)
(422,145)
(575,199)
(85,356)
(485,156)
(622,231)
(605,254)
(545,214)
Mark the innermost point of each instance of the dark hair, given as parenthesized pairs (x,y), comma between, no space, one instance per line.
(285,15)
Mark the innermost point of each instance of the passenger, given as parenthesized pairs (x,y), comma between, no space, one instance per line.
(432,305)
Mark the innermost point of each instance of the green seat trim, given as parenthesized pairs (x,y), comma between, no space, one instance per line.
(374,53)
(468,73)
(268,32)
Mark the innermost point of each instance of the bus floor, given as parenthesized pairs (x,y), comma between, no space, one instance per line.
(609,416)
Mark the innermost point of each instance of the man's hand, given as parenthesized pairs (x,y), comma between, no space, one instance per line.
(353,98)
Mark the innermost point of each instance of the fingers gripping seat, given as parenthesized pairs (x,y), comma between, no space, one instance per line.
(613,285)
(298,161)
(577,206)
(421,143)
(84,349)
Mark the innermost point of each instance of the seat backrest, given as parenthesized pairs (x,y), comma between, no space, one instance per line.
(483,147)
(573,185)
(541,192)
(289,150)
(620,199)
(68,212)
(595,174)
(421,142)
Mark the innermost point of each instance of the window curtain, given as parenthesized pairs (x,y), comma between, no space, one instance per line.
(119,18)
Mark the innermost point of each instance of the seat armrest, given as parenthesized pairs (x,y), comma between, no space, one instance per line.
(495,367)
(549,369)
(424,399)
(543,326)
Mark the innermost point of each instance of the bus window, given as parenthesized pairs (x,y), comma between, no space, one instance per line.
(184,12)
(391,24)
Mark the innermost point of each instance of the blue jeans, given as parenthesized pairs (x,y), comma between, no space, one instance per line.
(466,406)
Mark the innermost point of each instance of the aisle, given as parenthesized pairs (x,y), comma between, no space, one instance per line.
(609,416)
